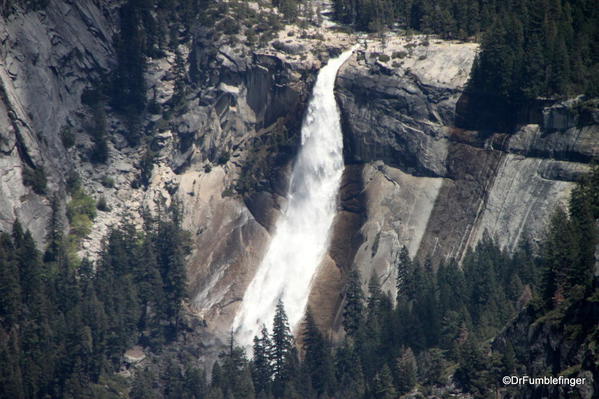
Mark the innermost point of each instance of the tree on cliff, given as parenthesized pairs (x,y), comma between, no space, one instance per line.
(353,310)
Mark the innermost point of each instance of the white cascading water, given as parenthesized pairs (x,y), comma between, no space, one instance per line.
(302,233)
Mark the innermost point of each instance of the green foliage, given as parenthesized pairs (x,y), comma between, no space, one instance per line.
(536,49)
(223,158)
(266,152)
(289,8)
(261,362)
(317,362)
(81,211)
(128,87)
(353,310)
(65,327)
(569,248)
(96,103)
(282,346)
(406,371)
(102,205)
(146,165)
(67,137)
(107,181)
(36,179)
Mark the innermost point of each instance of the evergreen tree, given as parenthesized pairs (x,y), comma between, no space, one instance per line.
(143,386)
(54,234)
(383,387)
(262,369)
(348,372)
(353,310)
(561,252)
(403,265)
(406,371)
(194,386)
(317,359)
(282,346)
(10,287)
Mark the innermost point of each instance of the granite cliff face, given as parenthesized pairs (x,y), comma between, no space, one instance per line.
(414,179)
(47,59)
(411,178)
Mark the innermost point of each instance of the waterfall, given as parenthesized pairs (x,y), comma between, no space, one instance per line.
(301,236)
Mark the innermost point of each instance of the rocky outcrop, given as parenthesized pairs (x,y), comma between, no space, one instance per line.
(432,187)
(47,58)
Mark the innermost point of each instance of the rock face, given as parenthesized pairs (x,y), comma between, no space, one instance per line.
(47,58)
(434,188)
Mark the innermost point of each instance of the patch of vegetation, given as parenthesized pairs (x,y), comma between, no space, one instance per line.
(81,211)
(146,166)
(384,58)
(64,327)
(265,150)
(223,158)
(107,181)
(102,205)
(36,179)
(95,100)
(67,137)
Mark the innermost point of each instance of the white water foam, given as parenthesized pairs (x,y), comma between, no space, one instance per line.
(301,237)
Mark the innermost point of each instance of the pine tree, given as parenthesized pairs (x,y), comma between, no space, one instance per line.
(194,386)
(349,373)
(561,253)
(406,371)
(470,375)
(282,345)
(585,228)
(262,369)
(10,287)
(142,386)
(54,235)
(403,265)
(173,380)
(317,360)
(11,381)
(353,310)
(383,387)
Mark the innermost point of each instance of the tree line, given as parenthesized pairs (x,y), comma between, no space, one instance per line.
(64,326)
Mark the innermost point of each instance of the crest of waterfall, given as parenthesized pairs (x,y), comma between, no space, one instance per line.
(301,236)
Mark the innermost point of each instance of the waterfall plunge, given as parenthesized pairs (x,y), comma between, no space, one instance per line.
(302,233)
